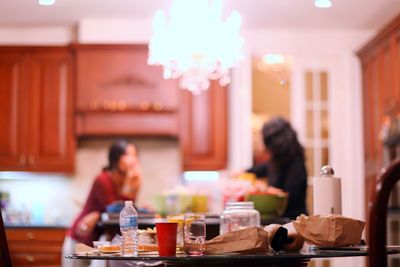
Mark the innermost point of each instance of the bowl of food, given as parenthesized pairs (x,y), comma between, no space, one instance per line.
(269,204)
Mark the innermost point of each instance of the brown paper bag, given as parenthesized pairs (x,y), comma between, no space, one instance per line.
(329,230)
(248,240)
(284,237)
(295,240)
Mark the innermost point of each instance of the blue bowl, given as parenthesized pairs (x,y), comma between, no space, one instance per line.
(115,207)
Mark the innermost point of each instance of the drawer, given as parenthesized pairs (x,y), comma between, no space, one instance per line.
(37,247)
(36,259)
(27,234)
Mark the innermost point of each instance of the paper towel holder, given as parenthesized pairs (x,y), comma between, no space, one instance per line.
(327,189)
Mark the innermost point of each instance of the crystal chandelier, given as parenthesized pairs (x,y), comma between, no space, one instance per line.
(194,44)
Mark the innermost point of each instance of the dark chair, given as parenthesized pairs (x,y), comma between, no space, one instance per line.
(5,259)
(378,215)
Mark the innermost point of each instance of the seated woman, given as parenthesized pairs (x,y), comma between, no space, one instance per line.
(285,167)
(120,180)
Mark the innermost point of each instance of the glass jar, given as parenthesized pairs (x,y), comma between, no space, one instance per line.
(238,215)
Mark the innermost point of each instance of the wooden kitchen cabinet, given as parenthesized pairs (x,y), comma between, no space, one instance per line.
(36,103)
(12,143)
(203,129)
(380,61)
(35,246)
(118,93)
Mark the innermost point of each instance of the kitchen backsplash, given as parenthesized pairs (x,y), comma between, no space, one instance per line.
(56,198)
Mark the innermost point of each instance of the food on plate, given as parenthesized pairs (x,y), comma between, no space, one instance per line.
(148,247)
(97,244)
(147,236)
(110,248)
(147,239)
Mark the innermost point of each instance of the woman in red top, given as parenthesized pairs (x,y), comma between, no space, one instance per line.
(120,180)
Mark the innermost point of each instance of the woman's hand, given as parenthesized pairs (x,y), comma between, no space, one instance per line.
(87,223)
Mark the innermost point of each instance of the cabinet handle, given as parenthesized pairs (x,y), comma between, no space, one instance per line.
(30,236)
(31,160)
(144,106)
(30,258)
(22,160)
(106,105)
(113,105)
(158,106)
(122,105)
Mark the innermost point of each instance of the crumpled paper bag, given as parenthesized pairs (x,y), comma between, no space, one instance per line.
(284,237)
(329,230)
(278,236)
(248,240)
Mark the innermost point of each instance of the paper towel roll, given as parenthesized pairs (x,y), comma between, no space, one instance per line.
(327,193)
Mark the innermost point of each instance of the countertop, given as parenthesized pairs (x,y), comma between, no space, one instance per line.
(112,219)
(36,226)
(110,223)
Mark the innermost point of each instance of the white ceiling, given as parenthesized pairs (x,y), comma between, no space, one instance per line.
(272,14)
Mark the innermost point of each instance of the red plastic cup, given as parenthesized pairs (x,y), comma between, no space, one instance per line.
(166,236)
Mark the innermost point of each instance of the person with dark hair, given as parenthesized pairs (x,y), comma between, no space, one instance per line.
(285,165)
(120,180)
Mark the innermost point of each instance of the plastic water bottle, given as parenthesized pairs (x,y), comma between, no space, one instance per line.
(129,230)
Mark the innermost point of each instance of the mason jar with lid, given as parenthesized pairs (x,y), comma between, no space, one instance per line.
(238,215)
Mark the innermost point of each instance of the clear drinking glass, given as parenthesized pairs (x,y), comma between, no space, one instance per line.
(178,218)
(194,234)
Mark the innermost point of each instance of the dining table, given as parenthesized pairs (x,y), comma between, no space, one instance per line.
(266,259)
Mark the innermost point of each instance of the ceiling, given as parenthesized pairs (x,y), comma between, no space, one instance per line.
(272,14)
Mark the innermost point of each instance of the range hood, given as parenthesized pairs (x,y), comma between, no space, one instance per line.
(119,94)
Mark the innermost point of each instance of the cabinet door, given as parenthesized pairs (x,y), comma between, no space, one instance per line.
(12,112)
(51,138)
(388,76)
(203,133)
(395,46)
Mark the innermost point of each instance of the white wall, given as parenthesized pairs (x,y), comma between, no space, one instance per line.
(36,35)
(115,31)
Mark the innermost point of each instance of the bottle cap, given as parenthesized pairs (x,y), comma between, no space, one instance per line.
(327,171)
